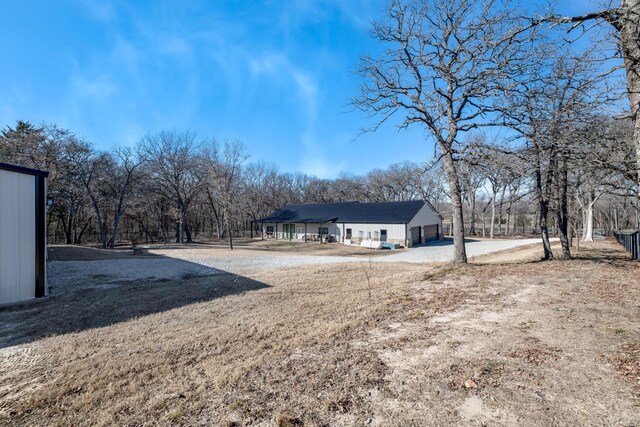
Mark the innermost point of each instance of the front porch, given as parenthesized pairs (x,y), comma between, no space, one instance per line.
(306,232)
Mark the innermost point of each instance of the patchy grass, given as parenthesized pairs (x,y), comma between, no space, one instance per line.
(525,343)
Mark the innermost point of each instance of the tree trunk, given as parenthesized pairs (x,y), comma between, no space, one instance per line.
(588,229)
(230,237)
(543,212)
(187,231)
(459,250)
(114,233)
(96,208)
(68,229)
(544,230)
(563,209)
(180,224)
(630,44)
(472,226)
(493,215)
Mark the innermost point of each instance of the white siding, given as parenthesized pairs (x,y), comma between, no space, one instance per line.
(394,231)
(425,216)
(17,237)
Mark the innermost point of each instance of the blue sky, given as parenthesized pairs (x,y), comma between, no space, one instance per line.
(277,75)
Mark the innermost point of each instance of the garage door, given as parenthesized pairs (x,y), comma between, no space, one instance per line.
(430,232)
(416,237)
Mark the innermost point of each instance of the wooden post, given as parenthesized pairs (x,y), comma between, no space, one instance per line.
(305,232)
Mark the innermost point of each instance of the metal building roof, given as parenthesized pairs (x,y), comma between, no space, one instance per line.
(21,169)
(383,213)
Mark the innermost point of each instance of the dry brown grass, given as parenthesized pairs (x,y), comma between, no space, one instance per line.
(307,346)
(314,248)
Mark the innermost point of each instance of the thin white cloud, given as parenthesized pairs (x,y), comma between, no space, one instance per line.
(174,45)
(322,167)
(101,10)
(99,87)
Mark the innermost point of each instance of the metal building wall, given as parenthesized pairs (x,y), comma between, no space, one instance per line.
(17,236)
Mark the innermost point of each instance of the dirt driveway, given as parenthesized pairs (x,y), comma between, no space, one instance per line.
(347,344)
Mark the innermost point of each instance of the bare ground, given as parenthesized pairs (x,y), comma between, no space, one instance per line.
(513,342)
(242,245)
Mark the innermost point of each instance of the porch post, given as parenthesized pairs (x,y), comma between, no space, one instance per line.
(276,233)
(305,232)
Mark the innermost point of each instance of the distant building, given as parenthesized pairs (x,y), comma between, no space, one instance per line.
(23,240)
(406,223)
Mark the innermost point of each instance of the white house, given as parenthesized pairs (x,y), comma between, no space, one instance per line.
(23,246)
(406,223)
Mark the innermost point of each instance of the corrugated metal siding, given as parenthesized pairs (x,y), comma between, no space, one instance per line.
(17,237)
(394,231)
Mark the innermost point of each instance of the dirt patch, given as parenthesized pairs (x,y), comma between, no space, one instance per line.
(315,248)
(627,362)
(88,253)
(528,343)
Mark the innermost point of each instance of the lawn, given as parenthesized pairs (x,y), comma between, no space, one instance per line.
(504,341)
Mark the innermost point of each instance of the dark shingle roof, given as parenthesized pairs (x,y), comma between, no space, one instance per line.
(385,213)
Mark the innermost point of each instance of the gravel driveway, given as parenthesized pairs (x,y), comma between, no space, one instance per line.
(172,264)
(443,251)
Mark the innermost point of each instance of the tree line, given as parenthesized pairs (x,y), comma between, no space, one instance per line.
(178,187)
(174,186)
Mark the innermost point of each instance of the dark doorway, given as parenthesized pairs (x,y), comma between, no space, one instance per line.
(416,235)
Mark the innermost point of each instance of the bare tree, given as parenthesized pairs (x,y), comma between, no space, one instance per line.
(443,62)
(224,173)
(625,20)
(126,175)
(176,170)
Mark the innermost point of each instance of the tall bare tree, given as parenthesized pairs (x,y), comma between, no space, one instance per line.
(224,173)
(176,170)
(127,173)
(444,61)
(625,20)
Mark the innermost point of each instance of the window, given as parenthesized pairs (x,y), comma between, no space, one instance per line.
(323,230)
(269,229)
(300,230)
(368,235)
(361,234)
(383,235)
(376,235)
(348,233)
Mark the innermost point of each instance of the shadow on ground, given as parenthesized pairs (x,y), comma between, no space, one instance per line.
(98,305)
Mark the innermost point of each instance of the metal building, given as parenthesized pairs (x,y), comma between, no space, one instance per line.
(23,240)
(407,223)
